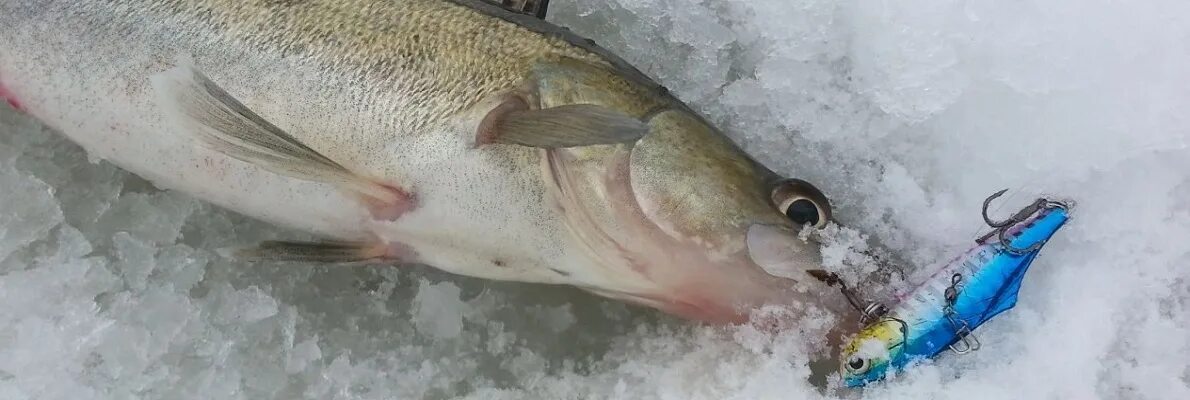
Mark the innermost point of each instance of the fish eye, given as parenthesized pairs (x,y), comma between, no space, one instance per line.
(802,203)
(802,211)
(858,365)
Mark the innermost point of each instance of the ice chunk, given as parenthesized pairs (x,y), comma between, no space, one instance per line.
(181,266)
(136,259)
(244,306)
(558,319)
(302,355)
(155,217)
(28,213)
(437,309)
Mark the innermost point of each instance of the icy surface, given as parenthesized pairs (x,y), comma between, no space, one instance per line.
(906,113)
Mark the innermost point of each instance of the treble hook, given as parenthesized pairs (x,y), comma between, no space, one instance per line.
(1020,216)
(988,220)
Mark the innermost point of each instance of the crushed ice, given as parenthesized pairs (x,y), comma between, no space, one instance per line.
(906,113)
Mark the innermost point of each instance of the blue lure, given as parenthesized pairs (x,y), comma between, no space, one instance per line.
(942,312)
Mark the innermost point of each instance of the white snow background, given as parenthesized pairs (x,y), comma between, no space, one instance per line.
(906,113)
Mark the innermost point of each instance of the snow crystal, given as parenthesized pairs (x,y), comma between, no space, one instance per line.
(907,114)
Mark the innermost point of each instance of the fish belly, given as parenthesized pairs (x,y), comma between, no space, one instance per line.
(84,69)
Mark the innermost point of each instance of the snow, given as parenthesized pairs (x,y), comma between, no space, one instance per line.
(907,114)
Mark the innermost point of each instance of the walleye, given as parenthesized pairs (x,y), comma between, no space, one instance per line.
(453,133)
(943,312)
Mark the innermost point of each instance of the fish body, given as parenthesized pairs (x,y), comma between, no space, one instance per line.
(451,133)
(943,312)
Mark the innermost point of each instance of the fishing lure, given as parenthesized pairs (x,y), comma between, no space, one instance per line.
(942,312)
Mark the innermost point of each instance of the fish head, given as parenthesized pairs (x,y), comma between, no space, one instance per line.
(682,218)
(873,351)
(713,232)
(697,185)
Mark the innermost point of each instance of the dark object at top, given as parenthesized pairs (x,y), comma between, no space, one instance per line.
(536,8)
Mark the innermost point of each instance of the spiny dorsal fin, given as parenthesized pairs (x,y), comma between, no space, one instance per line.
(228,126)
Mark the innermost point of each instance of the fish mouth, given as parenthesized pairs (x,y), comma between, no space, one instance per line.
(780,252)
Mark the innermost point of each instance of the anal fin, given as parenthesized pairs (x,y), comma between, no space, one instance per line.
(226,125)
(323,251)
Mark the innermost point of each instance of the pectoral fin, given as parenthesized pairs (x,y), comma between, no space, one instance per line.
(228,126)
(512,122)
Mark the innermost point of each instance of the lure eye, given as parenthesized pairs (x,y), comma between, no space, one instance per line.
(857,365)
(802,203)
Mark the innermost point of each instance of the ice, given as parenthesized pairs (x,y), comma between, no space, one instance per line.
(136,260)
(247,305)
(438,312)
(302,355)
(907,114)
(30,211)
(157,217)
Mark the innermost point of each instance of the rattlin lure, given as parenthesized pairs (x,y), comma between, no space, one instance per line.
(943,311)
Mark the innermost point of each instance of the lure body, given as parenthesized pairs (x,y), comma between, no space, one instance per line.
(942,312)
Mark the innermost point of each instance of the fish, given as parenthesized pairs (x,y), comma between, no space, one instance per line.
(944,310)
(473,138)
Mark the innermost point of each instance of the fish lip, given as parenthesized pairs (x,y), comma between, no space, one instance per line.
(781,252)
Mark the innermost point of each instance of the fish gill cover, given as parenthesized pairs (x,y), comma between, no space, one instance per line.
(907,113)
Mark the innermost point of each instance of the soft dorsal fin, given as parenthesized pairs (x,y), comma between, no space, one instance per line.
(536,8)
